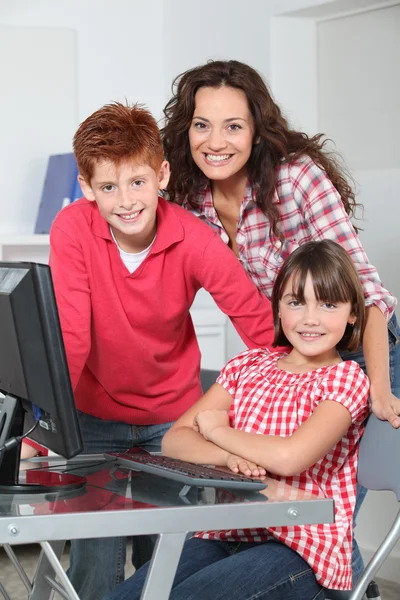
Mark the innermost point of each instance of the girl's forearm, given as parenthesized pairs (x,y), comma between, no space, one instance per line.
(187,444)
(271,452)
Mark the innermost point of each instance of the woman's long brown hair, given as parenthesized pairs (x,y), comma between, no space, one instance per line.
(276,142)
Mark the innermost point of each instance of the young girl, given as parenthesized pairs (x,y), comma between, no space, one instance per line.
(298,416)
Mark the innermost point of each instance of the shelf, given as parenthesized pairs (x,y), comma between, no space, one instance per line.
(33,239)
(29,247)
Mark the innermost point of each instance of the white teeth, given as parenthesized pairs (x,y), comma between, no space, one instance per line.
(311,334)
(130,217)
(217,157)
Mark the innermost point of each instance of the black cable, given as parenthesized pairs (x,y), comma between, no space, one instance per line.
(15,441)
(76,466)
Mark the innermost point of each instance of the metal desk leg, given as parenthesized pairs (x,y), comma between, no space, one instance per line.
(49,564)
(18,567)
(3,592)
(377,560)
(163,566)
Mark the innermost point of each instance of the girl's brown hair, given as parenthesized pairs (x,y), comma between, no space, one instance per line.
(335,279)
(275,141)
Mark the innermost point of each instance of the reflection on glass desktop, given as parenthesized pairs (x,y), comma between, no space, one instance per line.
(34,378)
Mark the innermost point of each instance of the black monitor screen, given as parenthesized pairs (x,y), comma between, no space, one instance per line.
(33,366)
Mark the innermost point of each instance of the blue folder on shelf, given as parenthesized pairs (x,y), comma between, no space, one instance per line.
(60,188)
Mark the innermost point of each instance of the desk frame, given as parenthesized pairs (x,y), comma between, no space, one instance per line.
(170,523)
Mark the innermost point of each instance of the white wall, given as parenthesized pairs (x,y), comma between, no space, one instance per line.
(380,195)
(217,29)
(359,86)
(293,43)
(120,46)
(38,107)
(358,107)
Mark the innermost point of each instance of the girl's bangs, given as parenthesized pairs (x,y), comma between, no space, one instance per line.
(329,285)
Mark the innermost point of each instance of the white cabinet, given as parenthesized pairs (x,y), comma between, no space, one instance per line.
(210,325)
(15,248)
(209,322)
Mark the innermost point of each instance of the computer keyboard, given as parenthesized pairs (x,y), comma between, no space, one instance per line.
(189,474)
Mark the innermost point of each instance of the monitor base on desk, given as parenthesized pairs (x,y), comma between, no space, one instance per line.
(43,482)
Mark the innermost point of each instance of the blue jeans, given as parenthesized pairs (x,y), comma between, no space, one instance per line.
(97,565)
(394,364)
(233,571)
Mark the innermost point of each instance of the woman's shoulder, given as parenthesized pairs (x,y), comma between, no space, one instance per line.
(301,166)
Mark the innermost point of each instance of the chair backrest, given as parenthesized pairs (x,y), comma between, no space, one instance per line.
(378,460)
(207,378)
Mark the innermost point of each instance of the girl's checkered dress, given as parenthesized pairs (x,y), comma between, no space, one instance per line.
(269,401)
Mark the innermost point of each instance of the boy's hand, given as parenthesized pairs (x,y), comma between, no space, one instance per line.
(206,421)
(237,464)
(28,451)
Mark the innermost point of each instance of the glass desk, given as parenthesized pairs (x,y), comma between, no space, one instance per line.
(116,502)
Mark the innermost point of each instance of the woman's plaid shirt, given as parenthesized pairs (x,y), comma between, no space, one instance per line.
(310,209)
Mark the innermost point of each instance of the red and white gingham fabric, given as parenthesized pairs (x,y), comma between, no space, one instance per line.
(310,209)
(269,401)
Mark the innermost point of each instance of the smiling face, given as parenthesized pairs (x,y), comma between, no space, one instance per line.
(127,197)
(221,133)
(313,327)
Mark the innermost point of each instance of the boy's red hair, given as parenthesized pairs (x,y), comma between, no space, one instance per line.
(117,133)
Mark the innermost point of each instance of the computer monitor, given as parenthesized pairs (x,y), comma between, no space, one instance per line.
(34,377)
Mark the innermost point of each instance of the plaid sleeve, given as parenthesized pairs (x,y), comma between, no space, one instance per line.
(327,219)
(348,385)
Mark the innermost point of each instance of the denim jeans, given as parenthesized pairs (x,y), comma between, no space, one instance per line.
(97,565)
(394,364)
(233,571)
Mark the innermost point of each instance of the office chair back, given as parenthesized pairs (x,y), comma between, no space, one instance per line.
(378,464)
(207,378)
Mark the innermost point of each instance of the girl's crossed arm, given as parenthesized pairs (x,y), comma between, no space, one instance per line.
(184,441)
(215,440)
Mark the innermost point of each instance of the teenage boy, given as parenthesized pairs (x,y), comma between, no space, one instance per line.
(126,267)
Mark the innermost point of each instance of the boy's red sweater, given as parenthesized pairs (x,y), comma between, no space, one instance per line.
(130,342)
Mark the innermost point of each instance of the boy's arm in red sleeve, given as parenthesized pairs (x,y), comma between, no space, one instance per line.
(236,294)
(39,450)
(72,291)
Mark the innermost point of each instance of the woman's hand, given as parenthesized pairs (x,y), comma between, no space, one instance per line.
(237,464)
(386,407)
(206,421)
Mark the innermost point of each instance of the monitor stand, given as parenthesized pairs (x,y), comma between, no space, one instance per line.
(29,481)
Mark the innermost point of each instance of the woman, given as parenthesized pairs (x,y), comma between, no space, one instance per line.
(267,189)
